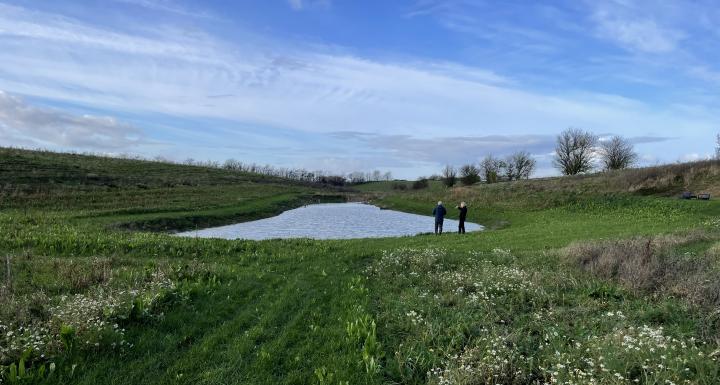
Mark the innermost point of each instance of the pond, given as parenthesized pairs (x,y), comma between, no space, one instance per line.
(332,221)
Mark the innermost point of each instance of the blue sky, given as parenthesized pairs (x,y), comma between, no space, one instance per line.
(405,86)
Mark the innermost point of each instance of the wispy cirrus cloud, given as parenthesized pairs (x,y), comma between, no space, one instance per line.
(633,29)
(299,5)
(168,6)
(486,21)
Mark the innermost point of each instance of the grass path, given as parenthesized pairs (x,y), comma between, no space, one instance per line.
(267,322)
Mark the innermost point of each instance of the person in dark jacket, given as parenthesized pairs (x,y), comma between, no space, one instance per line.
(463,214)
(439,213)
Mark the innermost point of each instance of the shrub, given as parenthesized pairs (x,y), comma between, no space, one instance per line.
(469,174)
(399,186)
(420,184)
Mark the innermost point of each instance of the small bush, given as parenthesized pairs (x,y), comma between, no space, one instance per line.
(420,184)
(399,186)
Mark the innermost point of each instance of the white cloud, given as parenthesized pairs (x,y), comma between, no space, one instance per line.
(450,149)
(633,29)
(21,123)
(303,4)
(705,73)
(167,6)
(296,4)
(693,157)
(271,85)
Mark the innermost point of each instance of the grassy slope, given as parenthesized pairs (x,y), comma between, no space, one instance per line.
(279,310)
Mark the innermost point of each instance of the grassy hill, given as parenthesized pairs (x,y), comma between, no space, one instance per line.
(605,279)
(146,195)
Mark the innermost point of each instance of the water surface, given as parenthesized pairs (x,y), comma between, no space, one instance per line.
(332,221)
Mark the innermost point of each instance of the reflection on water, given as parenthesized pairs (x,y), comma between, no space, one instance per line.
(332,221)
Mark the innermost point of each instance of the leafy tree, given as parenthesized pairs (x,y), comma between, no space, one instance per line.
(449,176)
(617,153)
(469,174)
(574,151)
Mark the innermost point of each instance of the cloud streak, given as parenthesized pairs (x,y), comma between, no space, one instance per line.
(450,149)
(299,5)
(635,31)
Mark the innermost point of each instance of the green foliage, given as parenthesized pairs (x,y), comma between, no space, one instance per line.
(469,174)
(20,374)
(369,311)
(420,184)
(67,336)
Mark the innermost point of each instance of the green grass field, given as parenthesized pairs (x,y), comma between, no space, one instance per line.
(95,290)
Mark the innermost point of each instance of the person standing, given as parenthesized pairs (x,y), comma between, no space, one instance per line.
(463,214)
(439,213)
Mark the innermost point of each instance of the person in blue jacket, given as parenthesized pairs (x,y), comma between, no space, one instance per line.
(439,213)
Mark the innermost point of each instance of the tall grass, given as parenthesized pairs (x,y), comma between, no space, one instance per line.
(656,265)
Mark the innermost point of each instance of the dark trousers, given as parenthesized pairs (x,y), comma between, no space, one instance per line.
(461,227)
(438,227)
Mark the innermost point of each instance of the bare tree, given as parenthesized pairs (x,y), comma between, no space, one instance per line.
(357,177)
(717,147)
(449,176)
(520,165)
(376,175)
(387,176)
(617,153)
(490,168)
(469,174)
(232,164)
(574,151)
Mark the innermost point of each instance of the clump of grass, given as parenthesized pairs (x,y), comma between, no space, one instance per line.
(81,275)
(654,265)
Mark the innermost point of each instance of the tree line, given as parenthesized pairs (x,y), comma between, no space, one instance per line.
(576,152)
(297,174)
(519,165)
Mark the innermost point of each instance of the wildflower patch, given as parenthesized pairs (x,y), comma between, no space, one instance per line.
(481,318)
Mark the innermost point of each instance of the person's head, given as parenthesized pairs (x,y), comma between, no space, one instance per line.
(462,204)
(439,203)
